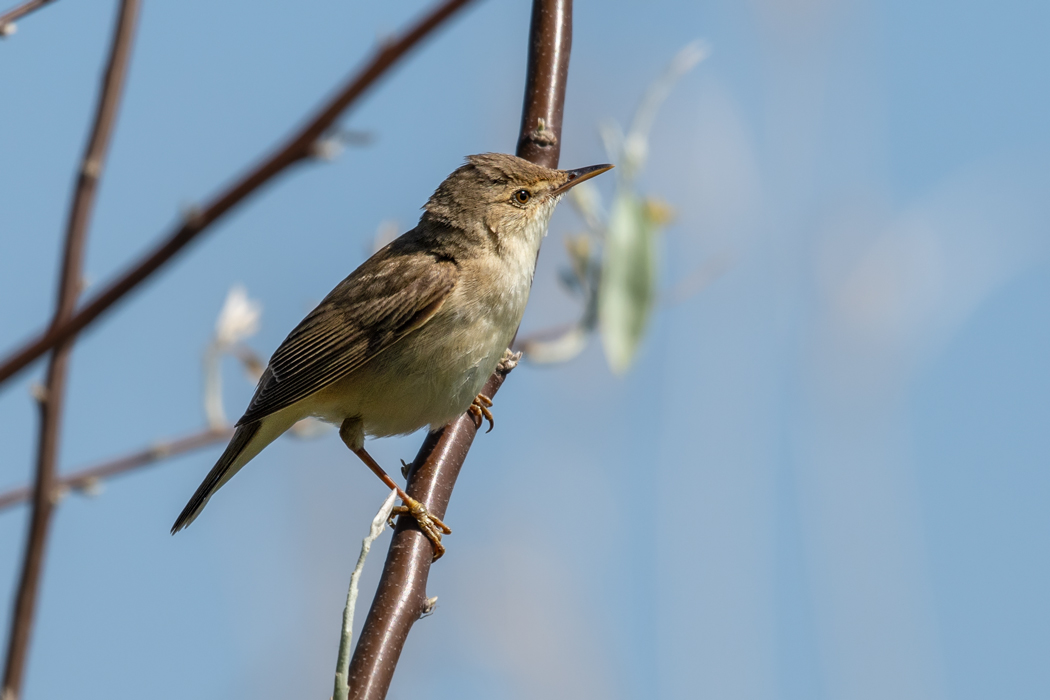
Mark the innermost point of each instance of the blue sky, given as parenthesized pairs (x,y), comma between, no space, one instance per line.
(826,476)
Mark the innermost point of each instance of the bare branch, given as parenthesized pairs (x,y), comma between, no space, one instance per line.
(297,147)
(87,478)
(7,20)
(52,399)
(401,598)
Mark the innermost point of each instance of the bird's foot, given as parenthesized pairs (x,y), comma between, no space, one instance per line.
(431,525)
(508,362)
(479,412)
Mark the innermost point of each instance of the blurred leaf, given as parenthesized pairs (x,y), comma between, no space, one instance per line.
(627,291)
(567,276)
(560,349)
(238,319)
(614,265)
(579,249)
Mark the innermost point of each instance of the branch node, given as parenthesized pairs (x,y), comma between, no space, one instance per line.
(91,168)
(38,392)
(162,449)
(58,493)
(191,216)
(7,29)
(91,486)
(327,149)
(429,605)
(542,136)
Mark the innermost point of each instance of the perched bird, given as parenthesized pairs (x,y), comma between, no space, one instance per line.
(410,337)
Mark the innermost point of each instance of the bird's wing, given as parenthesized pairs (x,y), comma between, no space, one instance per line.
(376,306)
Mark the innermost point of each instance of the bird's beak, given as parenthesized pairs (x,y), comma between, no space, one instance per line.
(579,175)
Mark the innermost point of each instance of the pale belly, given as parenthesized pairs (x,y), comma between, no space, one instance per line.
(428,378)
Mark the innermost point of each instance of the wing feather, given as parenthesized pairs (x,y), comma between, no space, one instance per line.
(380,303)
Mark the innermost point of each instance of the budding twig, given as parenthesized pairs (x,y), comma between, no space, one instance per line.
(82,479)
(342,664)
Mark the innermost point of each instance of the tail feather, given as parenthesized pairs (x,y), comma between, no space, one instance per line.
(225,468)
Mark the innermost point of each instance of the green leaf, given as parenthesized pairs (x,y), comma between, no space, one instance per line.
(627,291)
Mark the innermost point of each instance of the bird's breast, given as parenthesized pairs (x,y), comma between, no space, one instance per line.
(433,374)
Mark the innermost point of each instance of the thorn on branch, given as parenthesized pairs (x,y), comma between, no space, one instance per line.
(428,607)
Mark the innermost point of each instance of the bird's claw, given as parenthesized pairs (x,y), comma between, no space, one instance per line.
(431,525)
(479,412)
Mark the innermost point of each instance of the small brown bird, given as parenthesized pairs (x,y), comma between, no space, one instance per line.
(409,338)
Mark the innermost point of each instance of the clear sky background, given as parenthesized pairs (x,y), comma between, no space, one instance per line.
(826,477)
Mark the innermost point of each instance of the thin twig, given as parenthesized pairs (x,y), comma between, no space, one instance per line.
(89,477)
(15,13)
(301,145)
(52,397)
(342,663)
(401,597)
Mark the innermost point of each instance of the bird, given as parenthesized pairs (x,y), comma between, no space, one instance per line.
(409,338)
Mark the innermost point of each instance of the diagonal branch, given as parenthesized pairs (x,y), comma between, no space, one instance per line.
(51,398)
(16,13)
(401,597)
(84,479)
(300,145)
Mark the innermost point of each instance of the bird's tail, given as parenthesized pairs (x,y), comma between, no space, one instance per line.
(235,457)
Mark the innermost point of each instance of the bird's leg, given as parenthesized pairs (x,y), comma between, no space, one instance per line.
(431,525)
(479,412)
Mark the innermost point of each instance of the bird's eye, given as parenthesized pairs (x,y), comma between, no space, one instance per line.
(522,196)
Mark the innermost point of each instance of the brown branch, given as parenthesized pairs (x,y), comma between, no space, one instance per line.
(19,12)
(301,145)
(84,479)
(52,396)
(401,597)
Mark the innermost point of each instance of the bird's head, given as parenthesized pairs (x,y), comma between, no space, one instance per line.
(505,198)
